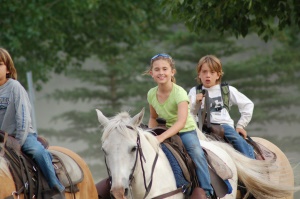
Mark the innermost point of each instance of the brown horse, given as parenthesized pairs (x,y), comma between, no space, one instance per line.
(86,188)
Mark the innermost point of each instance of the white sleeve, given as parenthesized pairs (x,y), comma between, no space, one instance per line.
(245,106)
(194,107)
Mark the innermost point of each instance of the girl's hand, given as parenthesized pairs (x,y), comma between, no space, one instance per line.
(241,131)
(160,138)
(199,98)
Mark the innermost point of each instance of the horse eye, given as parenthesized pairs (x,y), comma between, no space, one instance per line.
(130,127)
(134,149)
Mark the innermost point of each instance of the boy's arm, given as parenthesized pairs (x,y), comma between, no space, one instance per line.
(194,105)
(245,106)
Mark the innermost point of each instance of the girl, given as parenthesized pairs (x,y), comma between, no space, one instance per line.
(15,119)
(210,73)
(169,101)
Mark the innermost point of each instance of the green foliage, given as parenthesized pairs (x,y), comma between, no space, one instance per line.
(118,84)
(58,36)
(236,17)
(44,36)
(40,35)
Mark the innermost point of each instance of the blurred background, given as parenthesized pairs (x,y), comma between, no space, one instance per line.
(92,54)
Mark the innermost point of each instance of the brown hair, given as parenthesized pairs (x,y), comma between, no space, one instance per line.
(213,63)
(6,58)
(165,57)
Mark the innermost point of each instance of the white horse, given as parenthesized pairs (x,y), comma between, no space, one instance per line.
(139,168)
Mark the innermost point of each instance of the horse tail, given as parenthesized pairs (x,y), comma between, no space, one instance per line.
(255,175)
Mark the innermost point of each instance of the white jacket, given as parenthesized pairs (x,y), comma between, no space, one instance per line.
(245,106)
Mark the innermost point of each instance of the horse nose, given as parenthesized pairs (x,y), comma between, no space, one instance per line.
(119,193)
(126,192)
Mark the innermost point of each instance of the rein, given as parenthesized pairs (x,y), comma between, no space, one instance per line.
(140,155)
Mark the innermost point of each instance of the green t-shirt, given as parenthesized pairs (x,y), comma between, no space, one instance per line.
(168,109)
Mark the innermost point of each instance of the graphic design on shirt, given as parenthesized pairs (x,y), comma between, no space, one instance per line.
(216,104)
(4,101)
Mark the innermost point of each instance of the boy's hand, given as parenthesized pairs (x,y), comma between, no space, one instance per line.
(241,131)
(199,98)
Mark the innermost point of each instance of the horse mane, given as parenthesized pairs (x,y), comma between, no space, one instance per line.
(3,167)
(201,135)
(151,138)
(120,121)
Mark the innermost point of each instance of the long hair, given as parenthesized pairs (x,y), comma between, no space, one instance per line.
(7,60)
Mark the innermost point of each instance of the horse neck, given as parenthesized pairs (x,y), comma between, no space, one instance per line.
(163,177)
(149,152)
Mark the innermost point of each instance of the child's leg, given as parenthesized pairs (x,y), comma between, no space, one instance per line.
(194,149)
(238,142)
(43,159)
(179,176)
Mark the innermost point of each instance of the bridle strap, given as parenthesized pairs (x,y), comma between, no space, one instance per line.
(138,142)
(171,193)
(139,153)
(152,171)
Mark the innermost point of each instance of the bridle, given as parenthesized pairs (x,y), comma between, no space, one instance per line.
(140,155)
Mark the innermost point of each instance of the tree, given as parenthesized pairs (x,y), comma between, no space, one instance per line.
(236,17)
(45,36)
(118,84)
(38,35)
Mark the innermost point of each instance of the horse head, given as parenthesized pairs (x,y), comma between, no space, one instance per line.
(120,145)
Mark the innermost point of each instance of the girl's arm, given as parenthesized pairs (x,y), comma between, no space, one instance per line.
(153,116)
(182,115)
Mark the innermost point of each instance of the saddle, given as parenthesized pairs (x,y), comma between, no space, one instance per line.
(260,151)
(29,179)
(175,145)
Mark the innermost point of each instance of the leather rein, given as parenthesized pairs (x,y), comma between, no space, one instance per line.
(140,155)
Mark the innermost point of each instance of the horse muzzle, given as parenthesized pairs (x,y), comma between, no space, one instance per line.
(119,193)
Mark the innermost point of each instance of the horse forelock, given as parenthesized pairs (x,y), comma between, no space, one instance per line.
(118,124)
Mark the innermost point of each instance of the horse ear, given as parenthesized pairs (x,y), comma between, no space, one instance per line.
(101,118)
(137,119)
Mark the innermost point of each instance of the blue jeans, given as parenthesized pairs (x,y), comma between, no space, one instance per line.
(238,142)
(192,145)
(43,158)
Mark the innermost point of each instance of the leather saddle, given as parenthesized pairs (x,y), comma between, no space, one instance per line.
(25,171)
(217,176)
(103,187)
